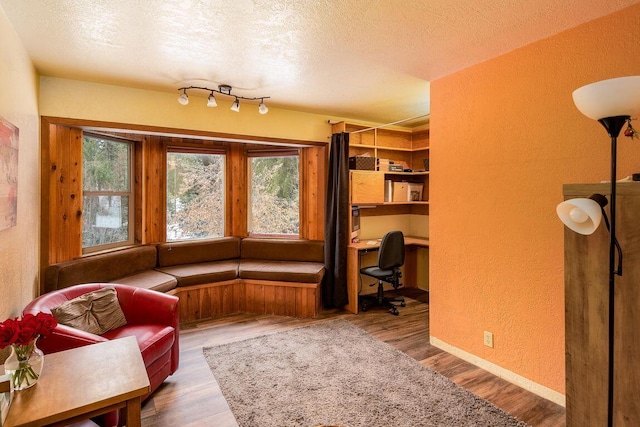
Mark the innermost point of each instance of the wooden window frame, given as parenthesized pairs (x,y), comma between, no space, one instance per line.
(204,151)
(131,194)
(275,152)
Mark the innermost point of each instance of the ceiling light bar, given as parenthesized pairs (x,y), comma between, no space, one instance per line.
(223,90)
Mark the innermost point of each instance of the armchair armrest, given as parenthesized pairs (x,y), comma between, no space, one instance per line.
(65,337)
(143,306)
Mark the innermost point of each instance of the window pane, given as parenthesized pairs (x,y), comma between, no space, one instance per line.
(105,165)
(105,220)
(107,197)
(195,196)
(275,195)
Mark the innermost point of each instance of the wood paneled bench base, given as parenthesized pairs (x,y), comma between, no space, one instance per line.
(248,296)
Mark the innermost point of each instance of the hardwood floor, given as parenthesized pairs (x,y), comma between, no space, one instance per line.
(191,397)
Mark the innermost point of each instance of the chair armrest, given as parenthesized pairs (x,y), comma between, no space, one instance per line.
(65,337)
(144,306)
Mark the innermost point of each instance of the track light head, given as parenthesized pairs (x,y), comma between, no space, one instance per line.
(211,101)
(184,98)
(236,106)
(262,109)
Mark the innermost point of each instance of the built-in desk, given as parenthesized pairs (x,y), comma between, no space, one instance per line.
(353,265)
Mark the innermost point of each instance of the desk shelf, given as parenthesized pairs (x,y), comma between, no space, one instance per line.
(423,203)
(416,173)
(373,204)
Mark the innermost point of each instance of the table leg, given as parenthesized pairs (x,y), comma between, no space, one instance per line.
(410,267)
(353,270)
(134,412)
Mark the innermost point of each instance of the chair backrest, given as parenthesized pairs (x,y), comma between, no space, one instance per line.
(391,253)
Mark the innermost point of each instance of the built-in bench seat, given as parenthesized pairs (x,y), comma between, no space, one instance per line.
(282,260)
(198,262)
(131,266)
(212,277)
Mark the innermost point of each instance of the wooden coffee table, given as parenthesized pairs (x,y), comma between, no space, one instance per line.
(84,382)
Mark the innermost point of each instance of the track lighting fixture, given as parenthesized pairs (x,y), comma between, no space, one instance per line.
(184,98)
(224,90)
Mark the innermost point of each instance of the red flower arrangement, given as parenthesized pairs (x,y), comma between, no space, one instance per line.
(21,335)
(23,331)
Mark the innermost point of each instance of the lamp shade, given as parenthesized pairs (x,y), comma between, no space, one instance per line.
(580,215)
(609,98)
(211,101)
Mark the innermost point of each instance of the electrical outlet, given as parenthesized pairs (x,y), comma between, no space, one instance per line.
(488,339)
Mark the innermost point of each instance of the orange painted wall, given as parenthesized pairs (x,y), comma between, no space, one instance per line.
(505,136)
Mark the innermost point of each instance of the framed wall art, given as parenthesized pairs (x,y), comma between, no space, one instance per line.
(8,174)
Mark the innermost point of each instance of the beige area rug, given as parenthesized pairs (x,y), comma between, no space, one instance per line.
(335,373)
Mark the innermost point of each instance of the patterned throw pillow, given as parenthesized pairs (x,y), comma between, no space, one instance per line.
(96,312)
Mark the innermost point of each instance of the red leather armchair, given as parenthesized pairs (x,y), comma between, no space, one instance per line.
(152,317)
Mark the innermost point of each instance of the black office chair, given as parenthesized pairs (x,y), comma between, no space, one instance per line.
(390,259)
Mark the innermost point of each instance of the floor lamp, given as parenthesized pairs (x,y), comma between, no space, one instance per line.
(612,103)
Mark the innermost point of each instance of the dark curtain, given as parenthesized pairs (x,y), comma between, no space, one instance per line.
(337,234)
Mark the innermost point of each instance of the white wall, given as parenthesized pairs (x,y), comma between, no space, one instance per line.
(19,105)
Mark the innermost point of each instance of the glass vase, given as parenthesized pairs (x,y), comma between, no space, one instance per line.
(24,364)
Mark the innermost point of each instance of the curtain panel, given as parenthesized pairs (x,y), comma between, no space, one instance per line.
(337,234)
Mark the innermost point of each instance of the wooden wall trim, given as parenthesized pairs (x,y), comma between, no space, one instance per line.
(173,132)
(313,162)
(236,205)
(252,296)
(64,187)
(154,190)
(45,225)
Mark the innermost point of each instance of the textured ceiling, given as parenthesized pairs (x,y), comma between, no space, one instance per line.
(364,59)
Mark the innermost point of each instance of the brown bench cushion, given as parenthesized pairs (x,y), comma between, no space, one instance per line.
(105,267)
(282,249)
(202,272)
(192,252)
(196,262)
(283,271)
(150,279)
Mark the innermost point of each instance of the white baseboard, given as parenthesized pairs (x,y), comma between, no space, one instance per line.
(505,374)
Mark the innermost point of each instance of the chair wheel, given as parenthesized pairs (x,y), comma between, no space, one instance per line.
(402,304)
(394,311)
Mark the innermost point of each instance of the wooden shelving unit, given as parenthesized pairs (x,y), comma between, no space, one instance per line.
(367,192)
(400,146)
